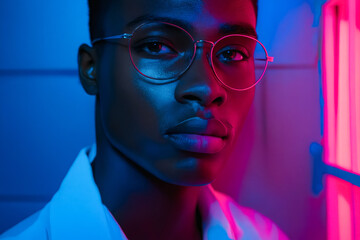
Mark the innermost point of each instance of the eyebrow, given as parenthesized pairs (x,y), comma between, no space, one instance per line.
(227,28)
(152,18)
(245,29)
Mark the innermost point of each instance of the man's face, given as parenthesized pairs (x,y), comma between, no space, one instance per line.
(182,131)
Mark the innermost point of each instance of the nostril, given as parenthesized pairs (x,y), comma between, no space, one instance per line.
(191,98)
(204,95)
(218,101)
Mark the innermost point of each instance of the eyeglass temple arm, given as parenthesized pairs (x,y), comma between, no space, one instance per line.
(268,58)
(121,36)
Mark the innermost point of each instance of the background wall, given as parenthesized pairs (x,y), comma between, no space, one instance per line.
(46,118)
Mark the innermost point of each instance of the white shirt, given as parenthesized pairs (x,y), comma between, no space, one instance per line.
(76,212)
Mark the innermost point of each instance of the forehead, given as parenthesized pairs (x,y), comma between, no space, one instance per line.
(201,15)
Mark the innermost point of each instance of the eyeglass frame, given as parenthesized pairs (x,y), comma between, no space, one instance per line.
(128,36)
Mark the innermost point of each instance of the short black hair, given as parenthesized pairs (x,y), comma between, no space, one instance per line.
(98,8)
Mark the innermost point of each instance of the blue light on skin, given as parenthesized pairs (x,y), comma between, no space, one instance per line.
(144,178)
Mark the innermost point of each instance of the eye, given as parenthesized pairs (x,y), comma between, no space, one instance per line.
(156,48)
(232,55)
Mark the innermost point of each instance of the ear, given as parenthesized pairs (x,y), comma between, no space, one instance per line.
(87,69)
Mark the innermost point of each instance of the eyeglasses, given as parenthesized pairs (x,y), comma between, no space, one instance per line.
(162,52)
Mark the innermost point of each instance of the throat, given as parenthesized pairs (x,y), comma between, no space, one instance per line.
(148,219)
(144,206)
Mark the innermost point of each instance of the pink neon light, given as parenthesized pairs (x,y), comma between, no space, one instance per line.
(357,93)
(343,153)
(345,223)
(329,116)
(341,79)
(356,201)
(328,83)
(354,19)
(352,85)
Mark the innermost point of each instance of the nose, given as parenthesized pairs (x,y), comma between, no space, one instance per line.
(199,84)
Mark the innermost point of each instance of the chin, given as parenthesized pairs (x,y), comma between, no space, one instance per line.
(195,170)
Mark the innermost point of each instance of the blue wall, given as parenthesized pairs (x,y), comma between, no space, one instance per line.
(45,116)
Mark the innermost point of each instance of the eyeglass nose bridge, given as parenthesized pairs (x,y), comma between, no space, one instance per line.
(200,44)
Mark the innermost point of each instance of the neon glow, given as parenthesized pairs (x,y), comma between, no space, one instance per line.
(329,85)
(341,81)
(344,206)
(343,155)
(356,200)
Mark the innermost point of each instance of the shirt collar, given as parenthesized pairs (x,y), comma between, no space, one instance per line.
(76,210)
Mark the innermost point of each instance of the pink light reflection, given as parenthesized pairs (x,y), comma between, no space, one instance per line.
(339,208)
(356,201)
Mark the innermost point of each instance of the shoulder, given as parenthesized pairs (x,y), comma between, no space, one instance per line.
(33,227)
(249,222)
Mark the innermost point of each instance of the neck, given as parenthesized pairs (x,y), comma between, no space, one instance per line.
(142,204)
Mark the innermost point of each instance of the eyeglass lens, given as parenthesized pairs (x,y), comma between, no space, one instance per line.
(162,51)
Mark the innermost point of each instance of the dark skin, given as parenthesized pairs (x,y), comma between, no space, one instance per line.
(150,185)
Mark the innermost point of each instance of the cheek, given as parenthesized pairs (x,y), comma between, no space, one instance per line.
(131,106)
(122,103)
(238,107)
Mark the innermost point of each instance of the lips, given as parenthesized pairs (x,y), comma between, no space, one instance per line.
(198,135)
